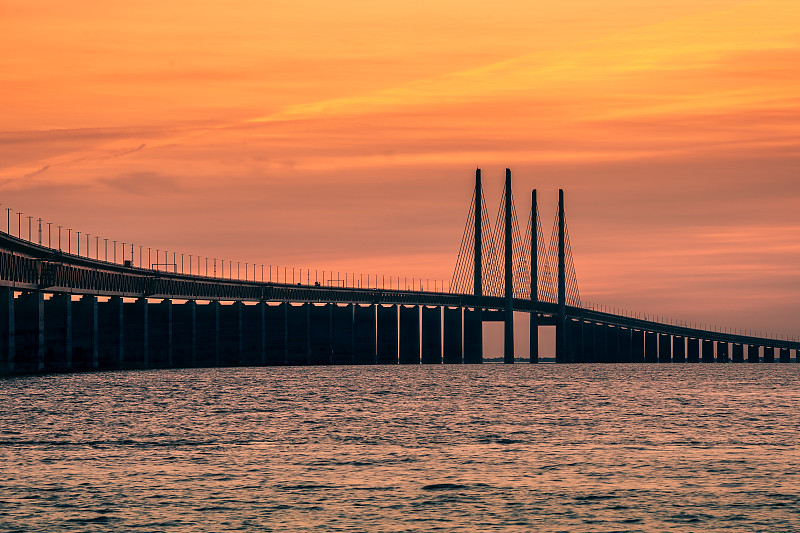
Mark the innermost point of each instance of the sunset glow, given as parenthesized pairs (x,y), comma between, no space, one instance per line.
(344,136)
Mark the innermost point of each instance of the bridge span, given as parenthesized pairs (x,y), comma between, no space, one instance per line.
(61,311)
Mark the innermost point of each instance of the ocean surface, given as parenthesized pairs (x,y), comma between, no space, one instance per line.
(458,448)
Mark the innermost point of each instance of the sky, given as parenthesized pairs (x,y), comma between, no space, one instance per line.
(344,136)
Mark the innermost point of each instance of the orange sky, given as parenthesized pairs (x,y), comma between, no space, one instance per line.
(344,135)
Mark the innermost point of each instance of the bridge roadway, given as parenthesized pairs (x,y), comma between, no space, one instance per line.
(30,335)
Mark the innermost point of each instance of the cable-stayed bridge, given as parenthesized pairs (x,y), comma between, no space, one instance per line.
(67,311)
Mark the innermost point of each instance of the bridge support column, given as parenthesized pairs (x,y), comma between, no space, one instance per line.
(387,335)
(432,335)
(29,320)
(722,352)
(343,334)
(626,345)
(110,333)
(664,348)
(409,335)
(7,330)
(693,350)
(276,333)
(208,334)
(637,346)
(738,353)
(453,337)
(159,336)
(230,334)
(534,338)
(473,336)
(253,334)
(365,335)
(678,349)
(589,355)
(650,347)
(784,357)
(85,353)
(575,344)
(298,330)
(135,336)
(184,334)
(752,354)
(601,343)
(708,351)
(769,354)
(612,344)
(58,333)
(320,327)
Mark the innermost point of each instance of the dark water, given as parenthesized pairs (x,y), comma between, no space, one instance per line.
(467,448)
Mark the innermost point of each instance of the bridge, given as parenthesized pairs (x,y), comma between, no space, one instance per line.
(65,311)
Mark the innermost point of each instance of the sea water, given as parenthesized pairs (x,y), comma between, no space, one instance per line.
(426,448)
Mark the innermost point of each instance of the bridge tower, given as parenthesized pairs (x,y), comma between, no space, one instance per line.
(478,267)
(508,341)
(534,329)
(561,321)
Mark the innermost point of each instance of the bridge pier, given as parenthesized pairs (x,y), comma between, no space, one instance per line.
(432,335)
(678,349)
(58,333)
(637,346)
(453,337)
(626,345)
(693,350)
(7,330)
(784,355)
(110,333)
(601,343)
(135,335)
(297,328)
(588,328)
(473,336)
(320,332)
(738,352)
(387,335)
(722,352)
(708,351)
(159,336)
(29,320)
(650,347)
(253,335)
(85,355)
(769,354)
(409,335)
(365,343)
(184,334)
(574,342)
(612,344)
(276,334)
(752,353)
(343,337)
(664,348)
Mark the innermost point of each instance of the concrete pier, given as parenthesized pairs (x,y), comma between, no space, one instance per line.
(678,349)
(253,335)
(452,352)
(473,336)
(601,343)
(135,334)
(320,332)
(387,335)
(365,334)
(159,318)
(738,353)
(85,348)
(29,320)
(432,335)
(693,350)
(58,333)
(343,334)
(784,355)
(637,346)
(664,348)
(612,344)
(708,351)
(722,352)
(650,347)
(7,330)
(110,325)
(276,346)
(769,354)
(409,342)
(753,355)
(184,334)
(298,340)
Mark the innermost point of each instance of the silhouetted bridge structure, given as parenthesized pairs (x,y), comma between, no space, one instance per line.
(63,311)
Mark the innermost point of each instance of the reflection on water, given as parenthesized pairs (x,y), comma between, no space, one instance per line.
(457,448)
